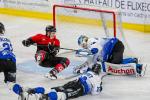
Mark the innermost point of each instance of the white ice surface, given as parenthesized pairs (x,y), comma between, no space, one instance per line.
(31,75)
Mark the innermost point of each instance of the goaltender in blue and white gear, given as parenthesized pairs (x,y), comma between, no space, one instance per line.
(109,50)
(88,83)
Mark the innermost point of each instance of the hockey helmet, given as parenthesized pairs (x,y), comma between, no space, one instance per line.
(50,28)
(2,28)
(96,68)
(82,41)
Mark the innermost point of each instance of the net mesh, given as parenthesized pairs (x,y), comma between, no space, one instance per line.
(75,20)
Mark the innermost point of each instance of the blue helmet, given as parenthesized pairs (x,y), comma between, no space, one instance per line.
(82,39)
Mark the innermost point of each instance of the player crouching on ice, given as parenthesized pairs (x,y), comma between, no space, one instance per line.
(108,51)
(47,48)
(88,83)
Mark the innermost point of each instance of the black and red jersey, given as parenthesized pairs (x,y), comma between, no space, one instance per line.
(42,41)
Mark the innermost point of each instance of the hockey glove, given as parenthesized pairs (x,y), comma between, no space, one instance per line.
(53,49)
(26,43)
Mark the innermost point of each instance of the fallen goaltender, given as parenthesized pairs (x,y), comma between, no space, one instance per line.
(109,52)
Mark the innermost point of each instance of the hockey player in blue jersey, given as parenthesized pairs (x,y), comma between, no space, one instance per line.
(108,51)
(7,58)
(88,83)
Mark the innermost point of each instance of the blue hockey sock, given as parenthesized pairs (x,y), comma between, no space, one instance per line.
(52,95)
(39,90)
(17,89)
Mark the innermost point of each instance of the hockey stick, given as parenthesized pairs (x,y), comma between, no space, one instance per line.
(69,49)
(79,53)
(60,47)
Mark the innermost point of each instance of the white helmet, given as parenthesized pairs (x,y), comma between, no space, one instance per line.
(82,41)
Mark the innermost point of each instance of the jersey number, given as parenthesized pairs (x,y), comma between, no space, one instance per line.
(7,46)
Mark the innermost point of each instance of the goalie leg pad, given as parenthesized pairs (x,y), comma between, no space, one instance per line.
(120,69)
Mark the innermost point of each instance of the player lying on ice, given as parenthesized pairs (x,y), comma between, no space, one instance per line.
(47,48)
(88,83)
(108,51)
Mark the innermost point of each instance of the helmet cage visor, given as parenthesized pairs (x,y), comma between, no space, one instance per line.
(82,41)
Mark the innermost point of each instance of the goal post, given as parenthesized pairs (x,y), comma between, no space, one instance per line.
(85,9)
(74,20)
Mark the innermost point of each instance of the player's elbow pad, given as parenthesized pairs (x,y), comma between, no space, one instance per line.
(94,50)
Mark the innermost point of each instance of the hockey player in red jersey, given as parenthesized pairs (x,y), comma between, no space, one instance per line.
(47,48)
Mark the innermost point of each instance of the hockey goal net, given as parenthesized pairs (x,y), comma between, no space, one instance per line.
(73,21)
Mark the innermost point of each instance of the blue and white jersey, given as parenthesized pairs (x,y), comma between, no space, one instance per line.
(91,83)
(95,45)
(6,50)
(101,48)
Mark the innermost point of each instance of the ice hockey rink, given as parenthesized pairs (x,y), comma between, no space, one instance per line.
(31,75)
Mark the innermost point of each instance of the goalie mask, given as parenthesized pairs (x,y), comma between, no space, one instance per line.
(82,41)
(96,68)
(2,28)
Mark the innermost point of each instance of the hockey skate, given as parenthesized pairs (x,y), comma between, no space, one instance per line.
(51,75)
(44,97)
(141,71)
